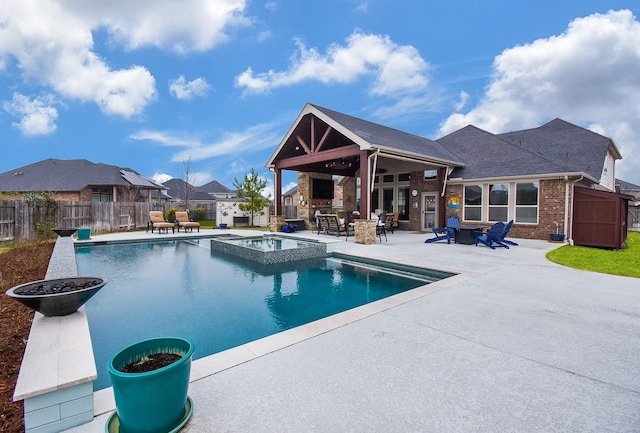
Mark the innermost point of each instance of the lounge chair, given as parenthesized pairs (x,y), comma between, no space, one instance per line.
(444,233)
(157,221)
(184,221)
(492,238)
(506,231)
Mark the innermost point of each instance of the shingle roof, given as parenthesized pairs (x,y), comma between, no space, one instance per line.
(383,136)
(68,175)
(214,187)
(488,156)
(574,147)
(627,186)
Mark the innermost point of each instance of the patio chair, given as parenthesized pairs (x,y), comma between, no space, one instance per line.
(157,221)
(391,221)
(185,222)
(444,233)
(492,238)
(506,231)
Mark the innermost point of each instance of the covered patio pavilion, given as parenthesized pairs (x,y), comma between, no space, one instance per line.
(322,143)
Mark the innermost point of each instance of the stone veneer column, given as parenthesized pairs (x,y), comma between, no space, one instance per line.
(277,221)
(365,231)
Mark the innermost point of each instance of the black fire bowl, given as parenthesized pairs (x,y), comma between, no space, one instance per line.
(64,232)
(57,297)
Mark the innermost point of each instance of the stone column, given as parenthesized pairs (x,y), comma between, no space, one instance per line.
(365,231)
(277,221)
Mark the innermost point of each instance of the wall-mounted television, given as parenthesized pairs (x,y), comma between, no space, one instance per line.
(322,189)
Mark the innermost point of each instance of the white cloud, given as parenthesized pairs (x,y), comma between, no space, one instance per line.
(288,186)
(37,115)
(253,139)
(161,177)
(588,75)
(186,90)
(464,98)
(396,70)
(52,43)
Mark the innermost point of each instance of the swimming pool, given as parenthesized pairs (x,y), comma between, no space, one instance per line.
(182,288)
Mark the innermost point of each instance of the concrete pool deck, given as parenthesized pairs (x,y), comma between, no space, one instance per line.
(513,343)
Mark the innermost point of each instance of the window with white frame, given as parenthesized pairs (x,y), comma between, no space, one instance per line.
(472,203)
(498,202)
(527,202)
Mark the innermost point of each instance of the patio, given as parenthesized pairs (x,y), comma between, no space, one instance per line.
(512,343)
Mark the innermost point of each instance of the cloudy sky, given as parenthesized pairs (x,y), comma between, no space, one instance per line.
(150,84)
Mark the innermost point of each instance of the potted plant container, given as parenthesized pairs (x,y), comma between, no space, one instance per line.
(155,400)
(556,237)
(84,233)
(223,226)
(59,296)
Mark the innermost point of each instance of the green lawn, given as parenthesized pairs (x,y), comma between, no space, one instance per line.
(625,262)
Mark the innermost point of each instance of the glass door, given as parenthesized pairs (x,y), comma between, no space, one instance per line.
(429,210)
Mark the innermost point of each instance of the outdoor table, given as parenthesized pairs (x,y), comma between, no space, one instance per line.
(465,234)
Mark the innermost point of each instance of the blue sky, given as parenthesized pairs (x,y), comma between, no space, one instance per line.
(151,84)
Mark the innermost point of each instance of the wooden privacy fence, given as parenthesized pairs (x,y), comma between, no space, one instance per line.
(18,220)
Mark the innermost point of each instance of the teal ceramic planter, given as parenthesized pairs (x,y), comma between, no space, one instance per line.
(84,234)
(154,401)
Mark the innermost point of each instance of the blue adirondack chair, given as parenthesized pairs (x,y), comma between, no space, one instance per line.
(444,233)
(492,238)
(506,231)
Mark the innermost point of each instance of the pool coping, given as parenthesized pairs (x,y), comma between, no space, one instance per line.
(66,342)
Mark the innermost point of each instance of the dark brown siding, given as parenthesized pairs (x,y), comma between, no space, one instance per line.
(599,218)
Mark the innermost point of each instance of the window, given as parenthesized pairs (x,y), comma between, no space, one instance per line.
(387,178)
(387,200)
(473,202)
(430,174)
(527,202)
(498,202)
(403,203)
(101,194)
(404,177)
(375,202)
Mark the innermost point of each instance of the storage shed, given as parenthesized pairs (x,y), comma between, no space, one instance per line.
(600,218)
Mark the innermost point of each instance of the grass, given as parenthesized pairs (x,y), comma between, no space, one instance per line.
(616,262)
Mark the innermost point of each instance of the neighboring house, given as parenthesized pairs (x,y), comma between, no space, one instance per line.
(216,190)
(80,180)
(479,177)
(178,188)
(629,189)
(634,207)
(290,198)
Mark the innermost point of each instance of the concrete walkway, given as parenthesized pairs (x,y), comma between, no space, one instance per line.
(512,344)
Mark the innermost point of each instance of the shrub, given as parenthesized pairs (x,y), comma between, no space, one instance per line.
(170,215)
(199,214)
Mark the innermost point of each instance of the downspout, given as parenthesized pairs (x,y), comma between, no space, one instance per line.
(569,207)
(444,183)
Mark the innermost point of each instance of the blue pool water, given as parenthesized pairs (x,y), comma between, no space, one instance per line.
(181,288)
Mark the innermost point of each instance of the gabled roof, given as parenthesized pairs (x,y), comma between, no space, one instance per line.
(68,175)
(489,156)
(576,148)
(390,139)
(291,192)
(214,187)
(345,131)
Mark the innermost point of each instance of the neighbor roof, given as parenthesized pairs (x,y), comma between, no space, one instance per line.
(70,175)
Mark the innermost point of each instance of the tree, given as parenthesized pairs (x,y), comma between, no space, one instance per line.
(188,182)
(251,189)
